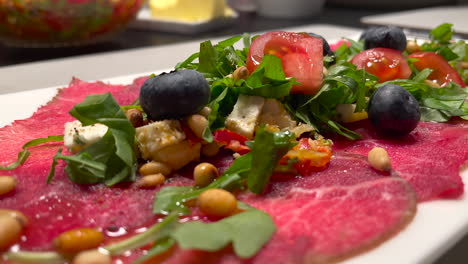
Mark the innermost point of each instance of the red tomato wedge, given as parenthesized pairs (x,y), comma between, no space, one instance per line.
(442,72)
(231,140)
(301,56)
(336,45)
(386,64)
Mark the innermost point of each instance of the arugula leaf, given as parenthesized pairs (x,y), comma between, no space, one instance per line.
(268,80)
(236,229)
(442,33)
(159,246)
(267,150)
(110,160)
(24,154)
(345,53)
(157,232)
(343,85)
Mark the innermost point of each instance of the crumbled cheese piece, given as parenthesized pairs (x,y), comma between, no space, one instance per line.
(76,136)
(243,118)
(178,155)
(276,116)
(273,113)
(157,135)
(346,113)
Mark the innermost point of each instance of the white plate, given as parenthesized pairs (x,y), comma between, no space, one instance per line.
(438,225)
(425,19)
(145,21)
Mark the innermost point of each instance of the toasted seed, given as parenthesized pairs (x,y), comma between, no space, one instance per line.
(378,158)
(205,173)
(77,240)
(210,149)
(217,202)
(7,184)
(197,124)
(92,257)
(152,180)
(240,73)
(135,117)
(155,167)
(412,46)
(19,216)
(463,65)
(206,111)
(10,231)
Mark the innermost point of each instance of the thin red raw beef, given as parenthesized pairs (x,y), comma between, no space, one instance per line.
(430,157)
(321,218)
(324,216)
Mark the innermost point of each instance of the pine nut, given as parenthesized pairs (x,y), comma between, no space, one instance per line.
(155,167)
(151,180)
(378,158)
(92,257)
(135,117)
(210,149)
(204,174)
(206,111)
(412,46)
(10,231)
(7,184)
(197,124)
(77,240)
(217,202)
(463,65)
(20,217)
(240,73)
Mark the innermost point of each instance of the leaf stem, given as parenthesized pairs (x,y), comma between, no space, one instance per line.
(34,257)
(140,239)
(113,249)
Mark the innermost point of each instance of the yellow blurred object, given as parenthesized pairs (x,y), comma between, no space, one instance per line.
(189,10)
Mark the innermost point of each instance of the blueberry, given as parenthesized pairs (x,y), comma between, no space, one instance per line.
(174,95)
(384,37)
(326,47)
(393,111)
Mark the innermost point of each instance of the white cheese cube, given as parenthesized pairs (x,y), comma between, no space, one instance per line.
(77,136)
(157,135)
(243,118)
(274,113)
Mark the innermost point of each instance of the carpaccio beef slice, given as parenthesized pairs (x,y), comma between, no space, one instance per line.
(430,158)
(325,217)
(333,203)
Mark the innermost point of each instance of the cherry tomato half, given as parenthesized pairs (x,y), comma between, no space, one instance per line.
(301,56)
(442,72)
(386,64)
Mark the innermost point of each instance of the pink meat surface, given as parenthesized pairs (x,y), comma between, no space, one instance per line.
(329,215)
(429,158)
(62,205)
(326,216)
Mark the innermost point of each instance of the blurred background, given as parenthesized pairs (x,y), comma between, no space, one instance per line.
(93,26)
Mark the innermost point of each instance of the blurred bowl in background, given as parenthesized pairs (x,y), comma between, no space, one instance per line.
(59,23)
(289,8)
